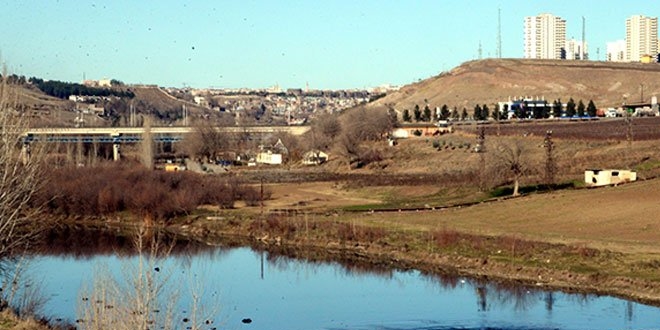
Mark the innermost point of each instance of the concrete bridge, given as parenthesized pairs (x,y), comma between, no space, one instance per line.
(119,135)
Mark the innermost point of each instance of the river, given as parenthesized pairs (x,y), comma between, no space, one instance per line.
(247,289)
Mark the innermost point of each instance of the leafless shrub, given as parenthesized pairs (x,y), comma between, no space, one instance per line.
(584,251)
(154,195)
(20,291)
(145,296)
(21,173)
(446,238)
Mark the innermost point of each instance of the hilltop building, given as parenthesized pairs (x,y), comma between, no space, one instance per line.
(545,37)
(641,37)
(576,50)
(616,51)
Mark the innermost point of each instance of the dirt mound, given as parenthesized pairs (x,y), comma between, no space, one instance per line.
(489,81)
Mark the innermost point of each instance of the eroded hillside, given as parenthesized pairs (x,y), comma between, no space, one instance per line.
(489,81)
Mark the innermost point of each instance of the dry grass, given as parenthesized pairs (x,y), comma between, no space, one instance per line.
(616,218)
(492,80)
(9,321)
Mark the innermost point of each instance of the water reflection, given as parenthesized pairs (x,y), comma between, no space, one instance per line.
(308,289)
(86,242)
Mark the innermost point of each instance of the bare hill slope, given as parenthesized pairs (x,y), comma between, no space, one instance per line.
(489,81)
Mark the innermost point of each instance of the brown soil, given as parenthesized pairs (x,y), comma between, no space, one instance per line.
(313,195)
(489,81)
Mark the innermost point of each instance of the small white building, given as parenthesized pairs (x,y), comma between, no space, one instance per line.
(268,157)
(400,133)
(600,177)
(314,157)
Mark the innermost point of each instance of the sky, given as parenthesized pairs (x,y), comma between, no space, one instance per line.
(323,44)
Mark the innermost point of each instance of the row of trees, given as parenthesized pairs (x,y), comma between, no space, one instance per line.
(63,89)
(483,112)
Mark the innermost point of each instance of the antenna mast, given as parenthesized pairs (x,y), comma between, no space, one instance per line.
(584,42)
(480,50)
(499,33)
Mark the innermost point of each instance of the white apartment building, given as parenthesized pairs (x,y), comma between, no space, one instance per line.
(545,37)
(616,51)
(641,37)
(576,50)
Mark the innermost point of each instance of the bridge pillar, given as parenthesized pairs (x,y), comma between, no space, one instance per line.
(116,155)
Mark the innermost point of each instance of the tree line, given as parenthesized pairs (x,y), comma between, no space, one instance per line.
(523,110)
(63,90)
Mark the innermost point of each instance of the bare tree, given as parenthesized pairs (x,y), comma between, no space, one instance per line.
(21,174)
(323,133)
(510,162)
(206,142)
(360,126)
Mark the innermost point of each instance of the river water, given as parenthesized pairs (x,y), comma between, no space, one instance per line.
(256,290)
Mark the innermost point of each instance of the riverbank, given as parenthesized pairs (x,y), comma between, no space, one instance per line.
(544,240)
(600,241)
(503,259)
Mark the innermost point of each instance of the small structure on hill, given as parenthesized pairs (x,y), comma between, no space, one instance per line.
(314,157)
(602,177)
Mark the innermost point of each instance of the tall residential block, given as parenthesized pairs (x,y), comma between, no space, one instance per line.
(616,51)
(545,37)
(641,37)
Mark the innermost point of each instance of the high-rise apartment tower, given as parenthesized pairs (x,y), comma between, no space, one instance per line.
(641,37)
(545,37)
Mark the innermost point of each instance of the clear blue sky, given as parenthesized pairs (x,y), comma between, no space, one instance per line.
(329,44)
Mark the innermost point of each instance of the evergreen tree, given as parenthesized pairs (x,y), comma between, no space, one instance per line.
(406,116)
(477,113)
(570,108)
(417,113)
(505,112)
(464,114)
(426,116)
(521,111)
(545,111)
(591,109)
(485,112)
(556,108)
(444,112)
(580,109)
(537,112)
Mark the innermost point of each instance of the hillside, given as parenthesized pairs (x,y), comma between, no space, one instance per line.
(159,99)
(52,111)
(489,81)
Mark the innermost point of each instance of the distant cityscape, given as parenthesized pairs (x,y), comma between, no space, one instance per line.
(545,38)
